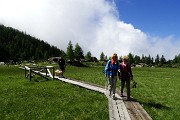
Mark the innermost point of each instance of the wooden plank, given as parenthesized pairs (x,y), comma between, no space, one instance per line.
(50,73)
(142,113)
(27,68)
(132,111)
(110,109)
(39,73)
(115,114)
(135,110)
(82,85)
(124,115)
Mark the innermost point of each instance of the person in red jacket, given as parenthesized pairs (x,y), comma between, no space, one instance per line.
(125,76)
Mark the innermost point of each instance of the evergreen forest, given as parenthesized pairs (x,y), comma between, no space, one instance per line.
(16,45)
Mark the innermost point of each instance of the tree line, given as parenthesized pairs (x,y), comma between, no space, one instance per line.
(16,45)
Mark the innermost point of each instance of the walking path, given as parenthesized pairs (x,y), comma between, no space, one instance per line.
(119,109)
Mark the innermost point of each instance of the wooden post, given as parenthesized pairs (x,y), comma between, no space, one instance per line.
(46,71)
(30,73)
(53,72)
(25,71)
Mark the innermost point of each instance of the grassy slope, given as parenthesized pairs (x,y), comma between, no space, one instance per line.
(50,100)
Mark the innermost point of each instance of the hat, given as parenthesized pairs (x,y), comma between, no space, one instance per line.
(125,57)
(114,55)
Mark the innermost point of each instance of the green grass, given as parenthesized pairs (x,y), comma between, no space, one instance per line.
(88,74)
(157,90)
(22,99)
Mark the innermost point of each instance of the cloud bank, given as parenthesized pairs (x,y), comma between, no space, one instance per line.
(93,24)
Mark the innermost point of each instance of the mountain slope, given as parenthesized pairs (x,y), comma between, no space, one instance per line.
(16,45)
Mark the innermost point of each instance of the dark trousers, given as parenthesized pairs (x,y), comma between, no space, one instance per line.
(126,80)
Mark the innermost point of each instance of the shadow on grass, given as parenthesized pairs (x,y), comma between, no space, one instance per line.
(148,103)
(156,105)
(40,80)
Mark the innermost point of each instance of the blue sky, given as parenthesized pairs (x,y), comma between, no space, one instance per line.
(155,17)
(148,27)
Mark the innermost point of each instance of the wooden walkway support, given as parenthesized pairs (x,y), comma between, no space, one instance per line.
(45,72)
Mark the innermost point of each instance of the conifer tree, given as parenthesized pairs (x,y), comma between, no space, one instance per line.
(131,58)
(102,56)
(162,60)
(157,60)
(70,52)
(78,52)
(88,56)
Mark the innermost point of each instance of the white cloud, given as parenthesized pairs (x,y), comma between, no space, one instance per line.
(94,24)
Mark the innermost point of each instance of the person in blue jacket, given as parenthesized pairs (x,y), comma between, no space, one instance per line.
(111,71)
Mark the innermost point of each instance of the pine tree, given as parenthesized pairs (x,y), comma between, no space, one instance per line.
(88,56)
(136,59)
(157,60)
(162,60)
(131,58)
(143,59)
(102,56)
(78,52)
(70,52)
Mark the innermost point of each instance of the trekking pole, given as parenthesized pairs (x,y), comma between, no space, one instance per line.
(106,83)
(134,83)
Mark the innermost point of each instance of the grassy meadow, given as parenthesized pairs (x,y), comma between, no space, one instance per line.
(157,91)
(39,99)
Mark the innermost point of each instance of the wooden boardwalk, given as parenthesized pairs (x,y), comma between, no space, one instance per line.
(119,109)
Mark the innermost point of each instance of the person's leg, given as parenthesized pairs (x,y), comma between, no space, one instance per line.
(63,70)
(122,85)
(128,88)
(110,84)
(114,84)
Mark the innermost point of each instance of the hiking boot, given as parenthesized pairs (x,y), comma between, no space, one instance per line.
(128,99)
(110,93)
(114,97)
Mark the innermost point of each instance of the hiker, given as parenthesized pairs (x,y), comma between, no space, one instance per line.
(61,63)
(111,70)
(125,76)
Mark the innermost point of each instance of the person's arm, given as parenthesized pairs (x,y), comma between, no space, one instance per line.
(130,72)
(107,68)
(119,72)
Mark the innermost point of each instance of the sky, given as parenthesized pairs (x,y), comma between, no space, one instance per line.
(148,27)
